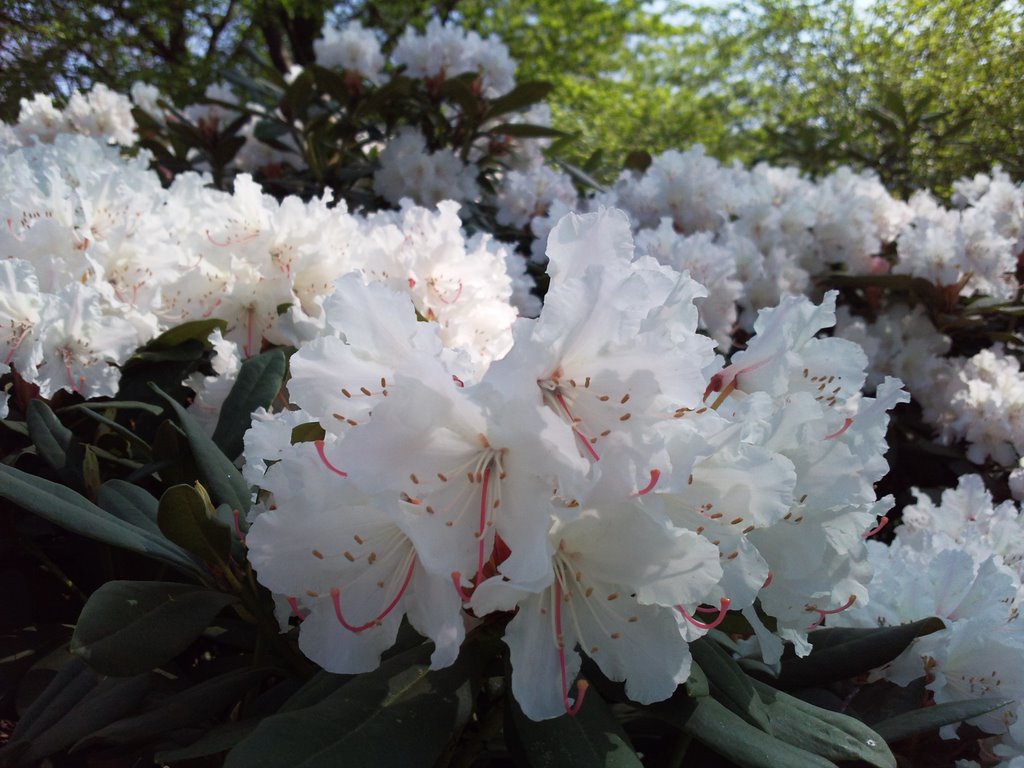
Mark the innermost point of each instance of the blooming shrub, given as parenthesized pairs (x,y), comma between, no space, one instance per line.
(350,354)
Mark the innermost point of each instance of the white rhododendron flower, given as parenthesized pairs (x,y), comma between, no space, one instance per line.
(594,477)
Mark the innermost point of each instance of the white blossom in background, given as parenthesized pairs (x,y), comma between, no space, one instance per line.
(960,560)
(408,170)
(711,265)
(444,51)
(351,49)
(212,391)
(989,406)
(525,194)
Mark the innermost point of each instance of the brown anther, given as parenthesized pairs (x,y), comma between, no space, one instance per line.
(625,417)
(346,393)
(625,399)
(318,554)
(365,391)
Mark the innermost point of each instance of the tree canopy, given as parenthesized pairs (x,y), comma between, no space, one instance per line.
(924,92)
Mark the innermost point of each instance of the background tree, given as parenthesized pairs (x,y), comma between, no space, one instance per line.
(924,92)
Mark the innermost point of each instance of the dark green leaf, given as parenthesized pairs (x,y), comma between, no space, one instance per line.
(130,503)
(638,160)
(729,683)
(826,733)
(520,97)
(402,715)
(842,653)
(524,130)
(459,90)
(697,682)
(55,444)
(185,519)
(709,721)
(218,739)
(64,507)
(73,681)
(127,433)
(109,700)
(934,717)
(592,738)
(194,330)
(129,627)
(191,706)
(259,380)
(215,469)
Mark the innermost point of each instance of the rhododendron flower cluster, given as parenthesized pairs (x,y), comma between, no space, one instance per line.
(604,479)
(960,560)
(99,259)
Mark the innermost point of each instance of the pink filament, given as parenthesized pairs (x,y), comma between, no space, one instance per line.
(571,709)
(884,521)
(723,609)
(457,581)
(295,609)
(655,477)
(572,420)
(823,612)
(229,241)
(837,433)
(458,292)
(212,309)
(336,599)
(323,457)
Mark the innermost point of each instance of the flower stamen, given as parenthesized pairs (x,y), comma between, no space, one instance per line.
(571,708)
(823,612)
(723,609)
(323,457)
(336,599)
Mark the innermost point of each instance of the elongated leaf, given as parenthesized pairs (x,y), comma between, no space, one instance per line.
(259,380)
(129,627)
(520,97)
(108,701)
(72,682)
(215,469)
(54,443)
(218,739)
(316,689)
(194,330)
(130,503)
(592,738)
(729,683)
(191,706)
(826,733)
(400,715)
(933,718)
(184,519)
(840,654)
(62,506)
(122,430)
(712,723)
(525,131)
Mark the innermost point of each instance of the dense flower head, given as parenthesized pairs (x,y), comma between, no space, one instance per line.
(595,477)
(958,559)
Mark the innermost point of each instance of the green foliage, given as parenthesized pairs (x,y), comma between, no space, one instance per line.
(130,627)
